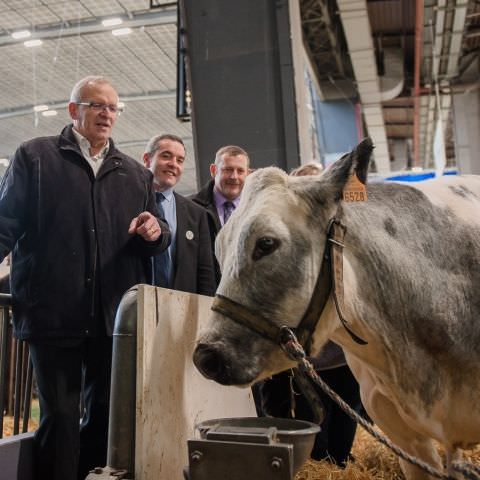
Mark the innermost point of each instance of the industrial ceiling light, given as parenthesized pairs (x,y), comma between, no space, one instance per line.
(33,43)
(21,34)
(121,31)
(111,22)
(40,108)
(49,113)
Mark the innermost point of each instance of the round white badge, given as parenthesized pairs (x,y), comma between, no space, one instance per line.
(189,235)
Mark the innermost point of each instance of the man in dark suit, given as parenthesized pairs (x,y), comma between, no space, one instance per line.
(221,195)
(187,265)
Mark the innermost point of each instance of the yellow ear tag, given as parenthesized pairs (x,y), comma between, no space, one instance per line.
(354,190)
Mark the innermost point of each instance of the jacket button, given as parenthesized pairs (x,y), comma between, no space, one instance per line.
(88,280)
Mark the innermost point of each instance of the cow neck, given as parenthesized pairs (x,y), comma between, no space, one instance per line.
(329,281)
(334,249)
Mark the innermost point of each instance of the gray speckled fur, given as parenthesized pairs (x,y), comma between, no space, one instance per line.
(422,268)
(417,262)
(412,283)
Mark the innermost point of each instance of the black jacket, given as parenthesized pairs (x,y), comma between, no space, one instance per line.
(73,257)
(205,199)
(193,261)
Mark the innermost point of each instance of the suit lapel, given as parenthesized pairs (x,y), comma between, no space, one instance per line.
(212,209)
(182,216)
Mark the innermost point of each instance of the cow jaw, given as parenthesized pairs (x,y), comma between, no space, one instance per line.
(231,355)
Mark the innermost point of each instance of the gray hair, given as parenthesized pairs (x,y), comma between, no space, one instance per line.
(152,144)
(310,168)
(76,95)
(231,151)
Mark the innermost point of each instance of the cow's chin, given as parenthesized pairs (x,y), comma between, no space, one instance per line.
(214,362)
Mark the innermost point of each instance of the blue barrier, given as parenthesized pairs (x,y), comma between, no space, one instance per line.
(417,177)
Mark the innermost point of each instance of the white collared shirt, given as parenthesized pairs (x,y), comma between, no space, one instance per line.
(95,161)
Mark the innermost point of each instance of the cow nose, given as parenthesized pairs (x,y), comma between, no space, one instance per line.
(210,362)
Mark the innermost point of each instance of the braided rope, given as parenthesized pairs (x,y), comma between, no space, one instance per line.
(294,350)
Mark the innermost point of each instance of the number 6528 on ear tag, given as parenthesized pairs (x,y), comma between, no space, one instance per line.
(354,190)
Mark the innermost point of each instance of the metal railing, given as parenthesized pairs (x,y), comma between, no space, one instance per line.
(16,373)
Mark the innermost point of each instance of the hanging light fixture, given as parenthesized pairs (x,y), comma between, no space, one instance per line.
(121,31)
(40,108)
(33,43)
(21,34)
(111,22)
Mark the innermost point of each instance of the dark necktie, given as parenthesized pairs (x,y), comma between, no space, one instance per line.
(161,263)
(228,208)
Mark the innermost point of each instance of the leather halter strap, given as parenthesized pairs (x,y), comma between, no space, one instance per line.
(330,279)
(336,241)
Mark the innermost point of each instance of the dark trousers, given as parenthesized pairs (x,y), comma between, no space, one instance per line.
(66,449)
(335,439)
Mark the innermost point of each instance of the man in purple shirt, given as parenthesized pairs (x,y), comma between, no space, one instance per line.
(221,195)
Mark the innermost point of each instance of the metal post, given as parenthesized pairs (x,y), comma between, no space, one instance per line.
(18,387)
(121,422)
(121,428)
(27,399)
(3,360)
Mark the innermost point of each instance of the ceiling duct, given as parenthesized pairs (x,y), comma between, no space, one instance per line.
(392,81)
(356,25)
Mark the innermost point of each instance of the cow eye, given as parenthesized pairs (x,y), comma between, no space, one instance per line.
(265,246)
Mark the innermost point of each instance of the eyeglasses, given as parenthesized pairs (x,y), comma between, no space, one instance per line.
(100,107)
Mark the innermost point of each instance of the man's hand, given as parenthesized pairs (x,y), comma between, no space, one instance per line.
(146,226)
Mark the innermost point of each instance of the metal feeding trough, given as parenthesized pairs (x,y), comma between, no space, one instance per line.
(249,448)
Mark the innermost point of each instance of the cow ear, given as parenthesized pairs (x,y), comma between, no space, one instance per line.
(361,160)
(356,161)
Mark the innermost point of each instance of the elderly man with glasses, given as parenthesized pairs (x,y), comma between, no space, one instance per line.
(81,222)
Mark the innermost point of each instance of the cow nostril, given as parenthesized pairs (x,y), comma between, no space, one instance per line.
(208,360)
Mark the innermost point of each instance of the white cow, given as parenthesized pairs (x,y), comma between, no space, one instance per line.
(411,279)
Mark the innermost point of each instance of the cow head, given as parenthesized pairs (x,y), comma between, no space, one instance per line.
(270,253)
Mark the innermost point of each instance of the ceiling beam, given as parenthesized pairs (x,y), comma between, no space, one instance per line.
(321,37)
(334,46)
(143,142)
(94,25)
(136,97)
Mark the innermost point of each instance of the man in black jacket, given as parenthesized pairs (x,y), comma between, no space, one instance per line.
(221,195)
(80,219)
(187,265)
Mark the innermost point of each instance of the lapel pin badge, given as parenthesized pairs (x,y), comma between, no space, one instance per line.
(189,235)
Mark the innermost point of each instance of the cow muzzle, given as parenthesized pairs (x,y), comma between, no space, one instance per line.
(214,363)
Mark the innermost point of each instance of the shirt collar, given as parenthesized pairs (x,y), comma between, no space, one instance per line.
(168,194)
(220,199)
(85,145)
